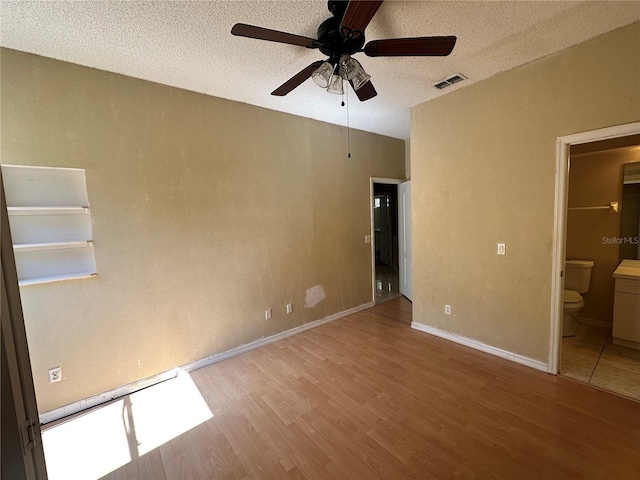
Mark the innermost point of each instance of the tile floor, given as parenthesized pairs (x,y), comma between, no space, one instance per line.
(387,283)
(590,356)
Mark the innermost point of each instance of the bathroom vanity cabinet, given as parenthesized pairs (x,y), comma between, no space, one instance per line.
(626,306)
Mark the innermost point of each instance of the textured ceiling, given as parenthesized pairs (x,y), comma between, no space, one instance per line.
(188,45)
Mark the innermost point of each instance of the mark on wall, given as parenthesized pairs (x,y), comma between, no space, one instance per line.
(314,296)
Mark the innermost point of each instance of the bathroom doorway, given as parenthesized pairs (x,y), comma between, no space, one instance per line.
(384,239)
(596,209)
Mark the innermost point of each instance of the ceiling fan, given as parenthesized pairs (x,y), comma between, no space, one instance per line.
(341,36)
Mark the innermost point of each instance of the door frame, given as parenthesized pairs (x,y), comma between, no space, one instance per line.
(386,181)
(563,145)
(24,419)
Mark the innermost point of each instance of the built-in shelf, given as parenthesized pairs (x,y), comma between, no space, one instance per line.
(32,247)
(48,210)
(57,278)
(50,223)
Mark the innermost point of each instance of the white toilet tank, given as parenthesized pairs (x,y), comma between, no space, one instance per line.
(577,275)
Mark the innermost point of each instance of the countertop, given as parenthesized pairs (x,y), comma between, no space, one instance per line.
(629,269)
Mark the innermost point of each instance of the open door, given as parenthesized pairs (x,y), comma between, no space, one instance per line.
(404,230)
(22,455)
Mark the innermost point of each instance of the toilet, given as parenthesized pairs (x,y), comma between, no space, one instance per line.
(577,277)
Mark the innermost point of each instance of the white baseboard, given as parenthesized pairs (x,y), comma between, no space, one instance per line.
(273,338)
(121,391)
(130,388)
(483,347)
(594,323)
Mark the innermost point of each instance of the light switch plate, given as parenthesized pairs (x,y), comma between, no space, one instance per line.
(502,249)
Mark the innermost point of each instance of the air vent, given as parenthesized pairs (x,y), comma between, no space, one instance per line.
(447,82)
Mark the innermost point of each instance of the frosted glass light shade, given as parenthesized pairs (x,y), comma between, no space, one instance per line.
(335,85)
(348,67)
(360,79)
(322,75)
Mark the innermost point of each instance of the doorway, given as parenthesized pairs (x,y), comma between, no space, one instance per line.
(384,239)
(587,353)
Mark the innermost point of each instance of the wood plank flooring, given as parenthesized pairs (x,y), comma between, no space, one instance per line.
(367,397)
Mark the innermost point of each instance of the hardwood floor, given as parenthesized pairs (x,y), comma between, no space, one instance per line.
(367,397)
(387,282)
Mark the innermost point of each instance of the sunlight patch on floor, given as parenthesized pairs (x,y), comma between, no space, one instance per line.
(103,440)
(166,410)
(87,447)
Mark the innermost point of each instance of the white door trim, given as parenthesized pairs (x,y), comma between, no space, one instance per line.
(563,145)
(372,180)
(24,414)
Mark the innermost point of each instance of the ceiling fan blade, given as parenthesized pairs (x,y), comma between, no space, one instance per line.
(250,31)
(296,80)
(411,47)
(366,91)
(357,16)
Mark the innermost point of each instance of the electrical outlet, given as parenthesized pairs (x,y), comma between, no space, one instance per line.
(55,374)
(502,249)
(267,314)
(139,363)
(289,307)
(367,239)
(447,309)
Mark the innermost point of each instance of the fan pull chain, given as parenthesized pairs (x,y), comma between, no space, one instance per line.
(348,128)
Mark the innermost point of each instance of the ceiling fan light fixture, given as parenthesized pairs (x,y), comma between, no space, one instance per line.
(340,37)
(322,76)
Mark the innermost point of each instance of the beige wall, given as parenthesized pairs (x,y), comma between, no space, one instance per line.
(205,212)
(407,159)
(483,172)
(596,179)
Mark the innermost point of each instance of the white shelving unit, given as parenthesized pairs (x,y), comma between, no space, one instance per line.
(50,223)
